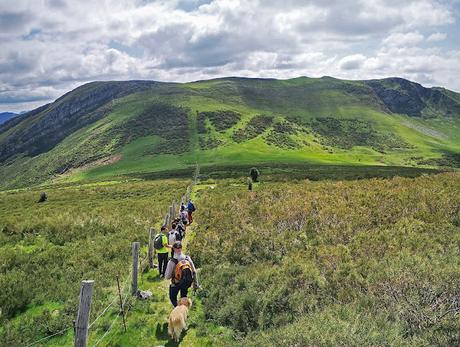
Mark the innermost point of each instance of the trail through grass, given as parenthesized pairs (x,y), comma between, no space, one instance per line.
(147,320)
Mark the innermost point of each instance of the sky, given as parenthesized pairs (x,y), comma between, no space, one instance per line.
(49,47)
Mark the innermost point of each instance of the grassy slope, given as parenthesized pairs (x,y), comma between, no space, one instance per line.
(300,100)
(322,102)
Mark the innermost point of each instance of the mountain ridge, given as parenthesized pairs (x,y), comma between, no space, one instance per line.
(311,120)
(6,116)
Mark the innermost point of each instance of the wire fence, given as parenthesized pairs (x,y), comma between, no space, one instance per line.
(48,337)
(125,285)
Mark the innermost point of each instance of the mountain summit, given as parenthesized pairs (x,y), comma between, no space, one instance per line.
(103,129)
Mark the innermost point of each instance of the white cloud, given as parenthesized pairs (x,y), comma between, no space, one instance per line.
(437,37)
(403,39)
(50,46)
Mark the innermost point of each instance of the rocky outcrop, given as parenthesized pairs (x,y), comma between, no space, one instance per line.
(47,126)
(406,97)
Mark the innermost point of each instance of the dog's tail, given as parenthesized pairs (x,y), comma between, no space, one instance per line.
(174,329)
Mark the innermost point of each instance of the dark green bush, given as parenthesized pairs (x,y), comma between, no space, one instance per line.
(221,120)
(347,133)
(281,140)
(256,126)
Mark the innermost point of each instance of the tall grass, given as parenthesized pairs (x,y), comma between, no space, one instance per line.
(81,232)
(368,262)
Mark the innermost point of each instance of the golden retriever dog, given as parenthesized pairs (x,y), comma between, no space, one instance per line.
(177,318)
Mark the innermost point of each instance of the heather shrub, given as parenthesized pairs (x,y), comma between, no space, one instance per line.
(367,262)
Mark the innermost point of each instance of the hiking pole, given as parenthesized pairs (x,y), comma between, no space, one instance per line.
(121,302)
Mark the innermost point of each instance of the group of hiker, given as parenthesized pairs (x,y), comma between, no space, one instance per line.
(178,268)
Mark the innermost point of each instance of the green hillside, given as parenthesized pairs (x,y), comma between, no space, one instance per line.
(106,129)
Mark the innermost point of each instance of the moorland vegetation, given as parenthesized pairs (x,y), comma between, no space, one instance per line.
(368,262)
(80,232)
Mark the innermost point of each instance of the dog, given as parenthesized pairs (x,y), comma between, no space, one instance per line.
(177,318)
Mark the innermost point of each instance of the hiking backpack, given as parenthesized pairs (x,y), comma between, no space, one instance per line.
(184,217)
(158,241)
(181,231)
(177,235)
(183,273)
(191,207)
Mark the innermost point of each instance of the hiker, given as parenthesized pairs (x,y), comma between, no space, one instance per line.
(173,236)
(183,215)
(190,209)
(180,227)
(182,273)
(160,243)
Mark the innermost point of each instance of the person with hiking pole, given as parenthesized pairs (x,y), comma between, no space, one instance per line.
(161,246)
(182,273)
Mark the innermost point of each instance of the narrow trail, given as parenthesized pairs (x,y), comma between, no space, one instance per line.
(147,319)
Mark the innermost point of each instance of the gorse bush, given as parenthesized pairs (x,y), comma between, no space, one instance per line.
(347,133)
(256,126)
(447,159)
(209,142)
(368,262)
(221,120)
(281,140)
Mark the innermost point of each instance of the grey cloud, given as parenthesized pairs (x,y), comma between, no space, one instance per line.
(352,62)
(347,18)
(351,65)
(17,62)
(14,22)
(59,4)
(14,99)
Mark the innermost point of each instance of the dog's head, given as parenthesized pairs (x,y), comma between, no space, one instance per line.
(186,302)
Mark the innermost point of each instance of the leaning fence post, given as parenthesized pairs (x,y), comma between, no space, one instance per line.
(135,267)
(166,220)
(81,325)
(150,249)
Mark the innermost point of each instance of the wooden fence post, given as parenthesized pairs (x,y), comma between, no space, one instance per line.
(135,267)
(150,250)
(174,206)
(122,310)
(81,325)
(171,214)
(166,220)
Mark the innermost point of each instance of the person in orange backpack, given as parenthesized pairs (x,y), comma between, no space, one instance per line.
(182,273)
